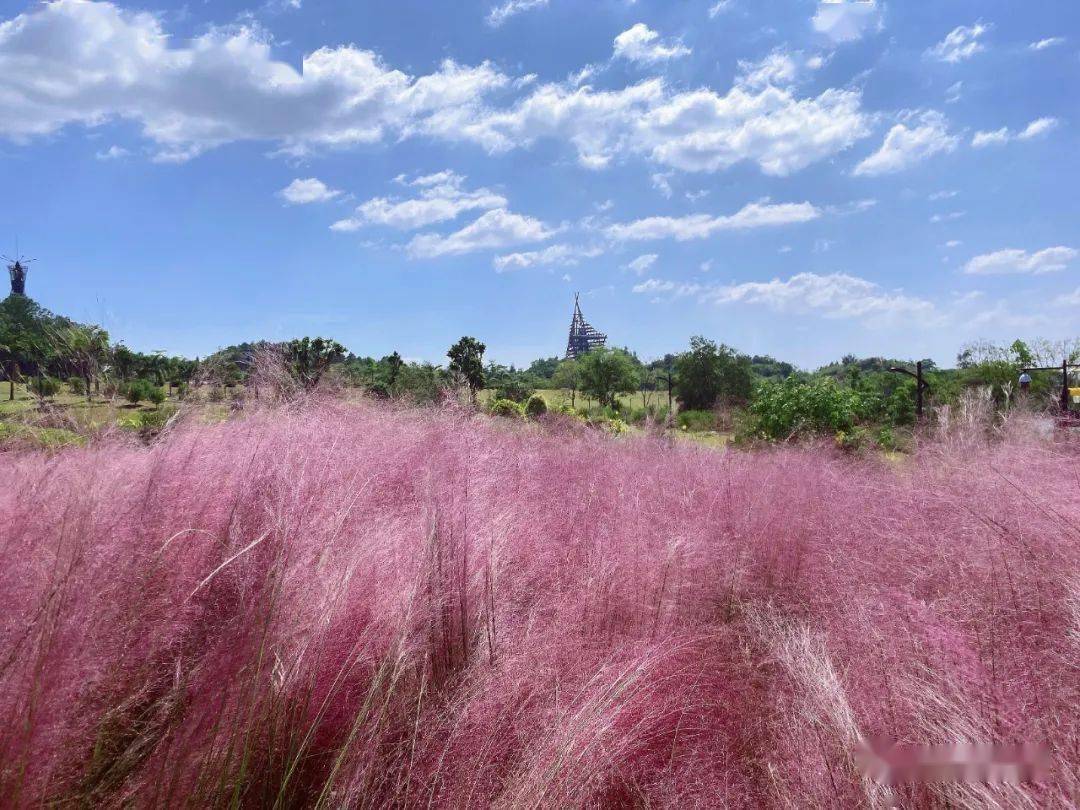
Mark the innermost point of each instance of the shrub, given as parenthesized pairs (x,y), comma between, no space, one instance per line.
(535,406)
(637,416)
(45,386)
(886,440)
(77,386)
(217,394)
(696,420)
(616,427)
(156,394)
(507,408)
(139,390)
(791,408)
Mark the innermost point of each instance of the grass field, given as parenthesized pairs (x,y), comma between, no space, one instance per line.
(563,396)
(372,605)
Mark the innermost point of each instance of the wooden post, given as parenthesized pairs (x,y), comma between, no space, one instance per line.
(918,390)
(1065,385)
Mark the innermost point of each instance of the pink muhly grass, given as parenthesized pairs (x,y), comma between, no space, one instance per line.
(330,604)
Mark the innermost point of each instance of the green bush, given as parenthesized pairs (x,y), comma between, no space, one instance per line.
(139,390)
(790,408)
(637,416)
(616,427)
(535,406)
(507,408)
(697,421)
(851,441)
(77,385)
(886,439)
(156,394)
(45,386)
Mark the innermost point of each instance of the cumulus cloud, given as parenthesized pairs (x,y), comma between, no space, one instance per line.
(494,230)
(501,13)
(114,152)
(833,295)
(904,146)
(963,42)
(1068,299)
(642,263)
(1049,42)
(847,20)
(1014,261)
(555,255)
(75,62)
(640,43)
(72,62)
(998,137)
(311,190)
(702,226)
(780,68)
(441,198)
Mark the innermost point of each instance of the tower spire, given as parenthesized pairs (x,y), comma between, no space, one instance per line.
(583,337)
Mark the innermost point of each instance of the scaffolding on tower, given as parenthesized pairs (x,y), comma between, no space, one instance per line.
(583,337)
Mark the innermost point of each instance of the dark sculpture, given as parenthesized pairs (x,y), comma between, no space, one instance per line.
(17,270)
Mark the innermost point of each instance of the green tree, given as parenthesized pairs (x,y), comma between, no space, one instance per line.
(467,359)
(84,349)
(309,358)
(606,373)
(568,375)
(709,372)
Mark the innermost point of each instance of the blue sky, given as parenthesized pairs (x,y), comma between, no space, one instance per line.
(795,178)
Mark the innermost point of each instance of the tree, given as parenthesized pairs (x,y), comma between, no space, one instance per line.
(84,349)
(25,344)
(568,375)
(390,367)
(606,373)
(311,357)
(467,359)
(708,372)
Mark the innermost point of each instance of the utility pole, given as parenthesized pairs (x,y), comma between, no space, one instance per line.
(920,385)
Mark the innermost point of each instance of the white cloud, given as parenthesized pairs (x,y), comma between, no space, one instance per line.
(642,263)
(943,195)
(114,152)
(555,255)
(72,62)
(954,92)
(441,198)
(75,62)
(501,13)
(694,196)
(1049,42)
(311,190)
(953,243)
(834,295)
(677,289)
(640,43)
(719,7)
(661,184)
(961,43)
(779,68)
(494,230)
(998,137)
(1012,261)
(847,20)
(904,147)
(1068,299)
(702,226)
(952,216)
